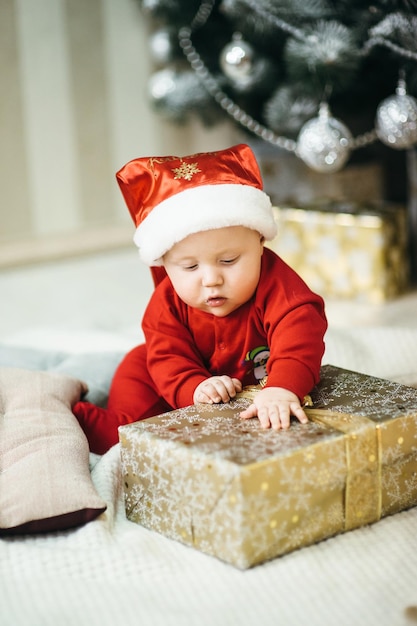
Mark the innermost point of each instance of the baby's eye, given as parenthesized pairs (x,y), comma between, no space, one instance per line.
(190,268)
(229,261)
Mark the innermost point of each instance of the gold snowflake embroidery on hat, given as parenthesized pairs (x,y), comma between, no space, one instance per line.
(187,171)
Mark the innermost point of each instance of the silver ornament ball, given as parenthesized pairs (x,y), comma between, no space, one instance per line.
(236,59)
(324,142)
(162,45)
(396,120)
(161,84)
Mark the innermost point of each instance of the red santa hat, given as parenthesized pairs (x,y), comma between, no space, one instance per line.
(172,197)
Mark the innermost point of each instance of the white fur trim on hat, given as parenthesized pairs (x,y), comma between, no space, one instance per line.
(205,207)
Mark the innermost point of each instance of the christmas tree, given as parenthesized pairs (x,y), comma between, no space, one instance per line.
(295,73)
(333,82)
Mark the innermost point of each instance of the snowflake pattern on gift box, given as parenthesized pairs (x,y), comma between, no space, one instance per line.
(357,255)
(375,398)
(204,477)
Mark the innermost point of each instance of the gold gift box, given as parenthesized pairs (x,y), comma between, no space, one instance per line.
(231,489)
(346,250)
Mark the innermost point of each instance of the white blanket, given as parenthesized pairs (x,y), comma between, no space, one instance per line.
(112,571)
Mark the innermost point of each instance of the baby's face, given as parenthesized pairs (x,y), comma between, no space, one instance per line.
(216,270)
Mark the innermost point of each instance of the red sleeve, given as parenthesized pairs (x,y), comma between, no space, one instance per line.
(295,325)
(174,363)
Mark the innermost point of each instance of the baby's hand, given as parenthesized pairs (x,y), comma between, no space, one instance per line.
(273,406)
(217,389)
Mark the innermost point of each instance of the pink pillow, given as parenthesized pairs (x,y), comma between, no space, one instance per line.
(45,481)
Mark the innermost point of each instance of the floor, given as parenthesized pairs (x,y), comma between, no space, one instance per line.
(97,301)
(363,577)
(94,295)
(94,304)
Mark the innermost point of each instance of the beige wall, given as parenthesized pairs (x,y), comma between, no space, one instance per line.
(73,109)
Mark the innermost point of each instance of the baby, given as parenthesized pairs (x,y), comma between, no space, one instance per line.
(226,312)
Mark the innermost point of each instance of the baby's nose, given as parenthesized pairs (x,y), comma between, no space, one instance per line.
(211,276)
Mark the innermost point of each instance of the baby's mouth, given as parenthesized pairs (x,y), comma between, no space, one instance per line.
(215,301)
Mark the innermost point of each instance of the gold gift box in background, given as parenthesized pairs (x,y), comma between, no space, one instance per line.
(346,250)
(231,489)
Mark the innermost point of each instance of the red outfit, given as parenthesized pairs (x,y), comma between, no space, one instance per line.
(184,346)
